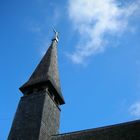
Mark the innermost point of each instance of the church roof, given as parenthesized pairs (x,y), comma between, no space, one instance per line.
(47,73)
(123,131)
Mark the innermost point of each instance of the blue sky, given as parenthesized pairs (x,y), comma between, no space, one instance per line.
(98,52)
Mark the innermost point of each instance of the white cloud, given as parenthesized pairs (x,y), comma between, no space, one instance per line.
(93,19)
(135,109)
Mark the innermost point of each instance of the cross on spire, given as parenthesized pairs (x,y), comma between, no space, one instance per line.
(56,35)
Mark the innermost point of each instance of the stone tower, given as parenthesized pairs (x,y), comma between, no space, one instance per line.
(38,112)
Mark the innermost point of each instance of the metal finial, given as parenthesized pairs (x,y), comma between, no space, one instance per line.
(56,36)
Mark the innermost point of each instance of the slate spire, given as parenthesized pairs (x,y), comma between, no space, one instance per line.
(46,74)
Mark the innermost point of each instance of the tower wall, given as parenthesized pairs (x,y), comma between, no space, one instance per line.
(36,118)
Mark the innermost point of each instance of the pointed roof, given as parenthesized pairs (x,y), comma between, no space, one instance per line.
(46,73)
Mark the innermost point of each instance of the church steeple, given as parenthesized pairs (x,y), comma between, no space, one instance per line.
(38,113)
(46,74)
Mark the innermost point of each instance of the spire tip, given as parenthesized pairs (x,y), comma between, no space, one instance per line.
(56,34)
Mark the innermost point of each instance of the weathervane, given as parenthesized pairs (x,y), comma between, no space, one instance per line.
(56,36)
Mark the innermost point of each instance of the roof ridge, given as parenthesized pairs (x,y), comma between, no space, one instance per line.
(98,128)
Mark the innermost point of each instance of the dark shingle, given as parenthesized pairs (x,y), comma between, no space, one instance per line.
(46,73)
(124,131)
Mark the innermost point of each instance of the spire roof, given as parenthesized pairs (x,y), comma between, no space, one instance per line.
(46,73)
